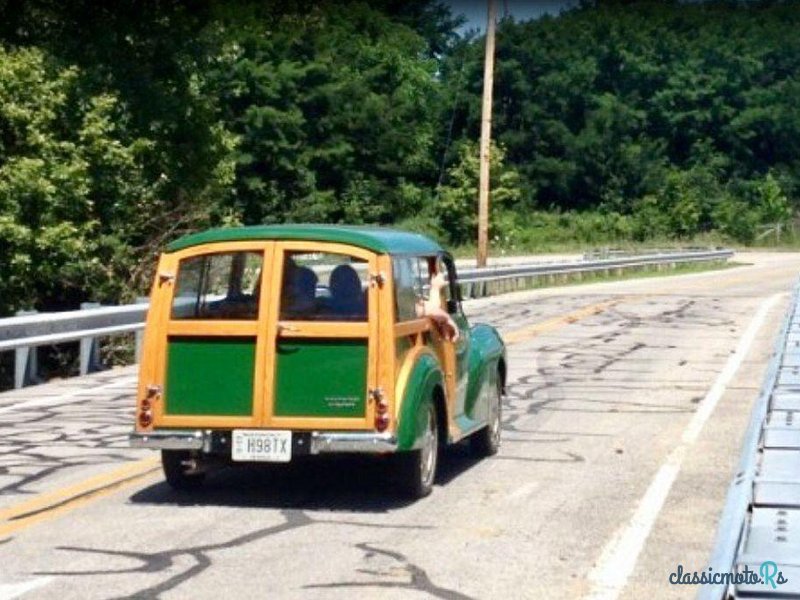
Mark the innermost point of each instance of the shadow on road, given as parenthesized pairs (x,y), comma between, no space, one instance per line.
(351,483)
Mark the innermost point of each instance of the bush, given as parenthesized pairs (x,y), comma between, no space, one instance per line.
(737,220)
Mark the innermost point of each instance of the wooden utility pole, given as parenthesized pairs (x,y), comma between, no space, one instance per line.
(486,137)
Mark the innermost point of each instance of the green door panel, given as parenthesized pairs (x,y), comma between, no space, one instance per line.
(321,378)
(210,376)
(486,349)
(485,387)
(462,350)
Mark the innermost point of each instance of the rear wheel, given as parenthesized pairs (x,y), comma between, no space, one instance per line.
(486,442)
(418,467)
(178,466)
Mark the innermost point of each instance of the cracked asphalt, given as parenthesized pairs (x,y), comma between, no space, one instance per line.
(594,406)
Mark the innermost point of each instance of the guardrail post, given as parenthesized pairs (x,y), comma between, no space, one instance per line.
(89,359)
(139,333)
(26,363)
(22,366)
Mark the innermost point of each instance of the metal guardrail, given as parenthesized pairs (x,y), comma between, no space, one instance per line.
(25,332)
(602,253)
(477,282)
(28,331)
(760,523)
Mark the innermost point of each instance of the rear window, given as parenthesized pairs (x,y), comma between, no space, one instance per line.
(218,286)
(323,286)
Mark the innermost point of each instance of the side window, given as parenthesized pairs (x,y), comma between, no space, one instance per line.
(406,288)
(320,286)
(218,286)
(412,284)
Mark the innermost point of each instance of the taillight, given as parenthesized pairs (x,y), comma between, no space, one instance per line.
(146,418)
(146,405)
(382,418)
(382,422)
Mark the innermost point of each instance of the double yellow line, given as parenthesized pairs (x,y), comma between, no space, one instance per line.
(49,505)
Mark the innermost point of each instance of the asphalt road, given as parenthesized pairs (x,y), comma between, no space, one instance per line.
(626,407)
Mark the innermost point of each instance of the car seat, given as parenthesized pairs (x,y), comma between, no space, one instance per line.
(347,298)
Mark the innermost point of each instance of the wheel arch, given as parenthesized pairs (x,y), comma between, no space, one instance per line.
(426,381)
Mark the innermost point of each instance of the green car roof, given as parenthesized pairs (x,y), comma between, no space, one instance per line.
(378,239)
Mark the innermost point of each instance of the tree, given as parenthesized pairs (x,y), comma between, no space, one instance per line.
(600,106)
(456,208)
(773,206)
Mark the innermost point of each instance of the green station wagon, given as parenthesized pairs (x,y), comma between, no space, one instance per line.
(266,343)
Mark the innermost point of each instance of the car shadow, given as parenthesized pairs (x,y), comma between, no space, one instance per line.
(454,462)
(352,483)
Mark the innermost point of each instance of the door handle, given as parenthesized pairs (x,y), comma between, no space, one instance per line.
(290,328)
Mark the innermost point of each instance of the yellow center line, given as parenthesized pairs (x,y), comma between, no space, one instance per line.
(48,505)
(531,331)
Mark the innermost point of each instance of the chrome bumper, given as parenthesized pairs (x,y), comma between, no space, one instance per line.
(322,442)
(352,441)
(174,439)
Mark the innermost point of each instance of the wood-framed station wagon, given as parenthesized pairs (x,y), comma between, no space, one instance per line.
(269,342)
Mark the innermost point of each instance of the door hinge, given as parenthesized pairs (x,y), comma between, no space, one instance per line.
(377,279)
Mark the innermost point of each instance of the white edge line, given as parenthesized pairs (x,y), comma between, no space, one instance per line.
(619,556)
(15,590)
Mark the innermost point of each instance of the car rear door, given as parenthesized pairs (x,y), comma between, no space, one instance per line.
(206,337)
(323,344)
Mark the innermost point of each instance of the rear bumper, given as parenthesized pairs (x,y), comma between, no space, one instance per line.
(183,439)
(320,442)
(352,441)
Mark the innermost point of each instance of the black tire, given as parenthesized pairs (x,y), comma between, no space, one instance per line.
(175,470)
(486,442)
(417,468)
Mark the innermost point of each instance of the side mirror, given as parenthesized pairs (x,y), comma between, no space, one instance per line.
(452,306)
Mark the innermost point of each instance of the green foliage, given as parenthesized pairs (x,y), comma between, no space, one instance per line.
(46,225)
(534,231)
(456,208)
(773,206)
(146,121)
(333,110)
(737,220)
(772,201)
(660,110)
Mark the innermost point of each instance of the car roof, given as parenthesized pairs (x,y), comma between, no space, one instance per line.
(382,240)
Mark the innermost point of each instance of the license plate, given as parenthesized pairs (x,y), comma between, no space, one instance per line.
(264,446)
